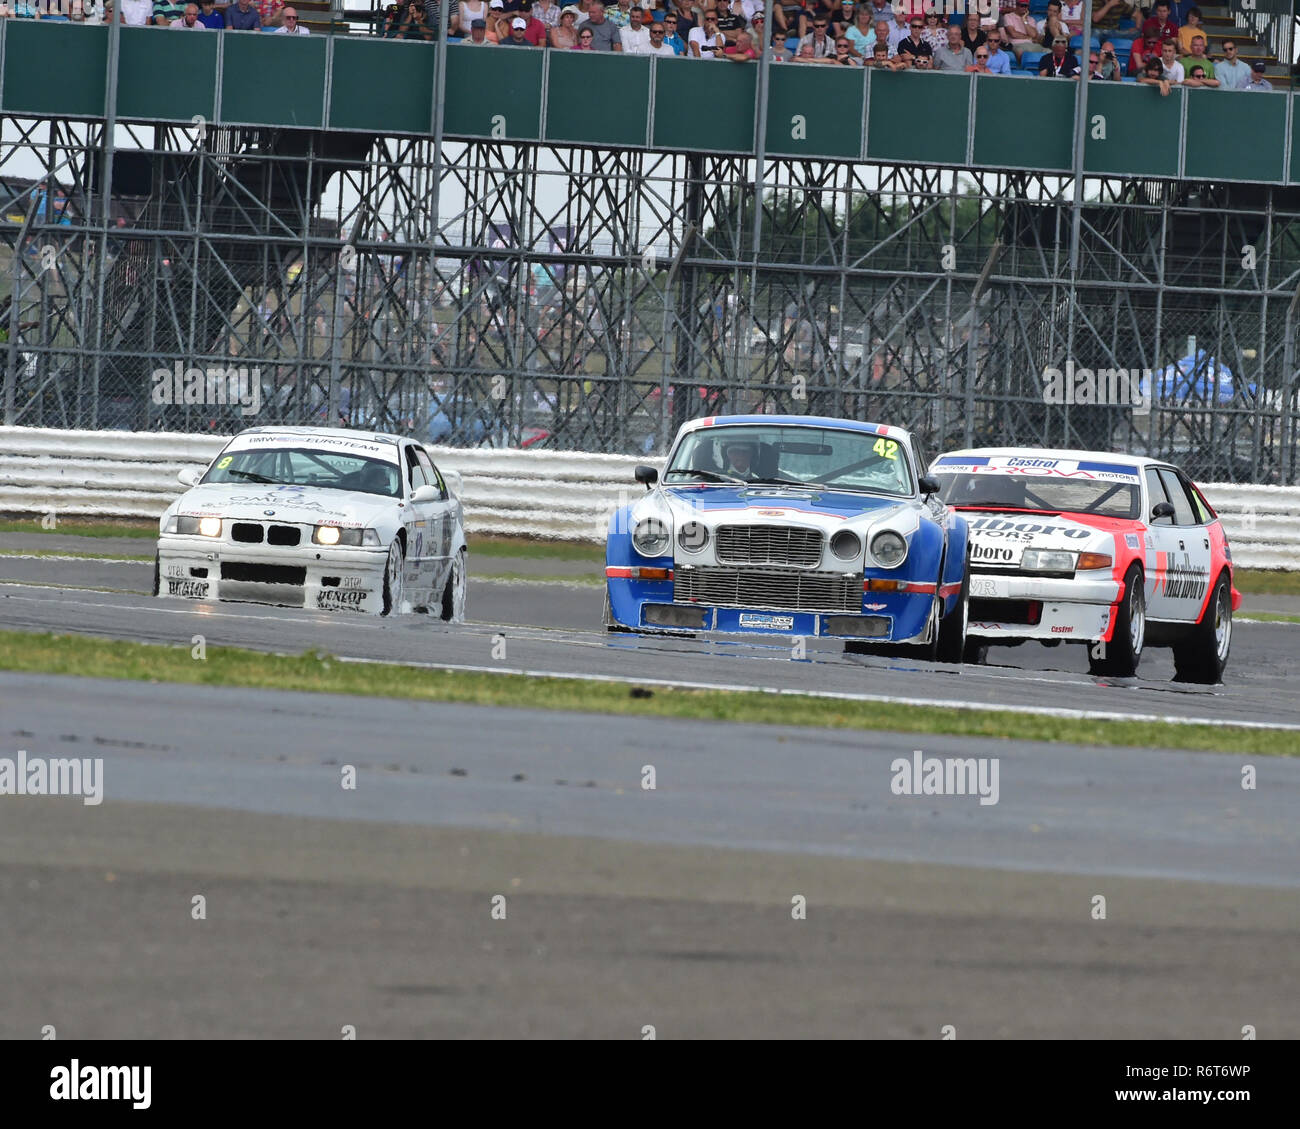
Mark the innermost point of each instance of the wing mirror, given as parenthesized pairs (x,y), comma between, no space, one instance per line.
(646,475)
(1162,509)
(426,493)
(929,485)
(190,476)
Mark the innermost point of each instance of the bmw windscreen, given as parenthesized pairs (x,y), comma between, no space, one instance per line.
(302,466)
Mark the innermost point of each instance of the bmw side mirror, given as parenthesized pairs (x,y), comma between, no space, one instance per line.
(929,485)
(189,476)
(1162,509)
(646,475)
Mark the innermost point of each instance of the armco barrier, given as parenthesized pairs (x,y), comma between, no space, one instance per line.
(539,493)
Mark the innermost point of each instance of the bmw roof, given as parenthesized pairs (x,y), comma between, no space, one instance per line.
(324,433)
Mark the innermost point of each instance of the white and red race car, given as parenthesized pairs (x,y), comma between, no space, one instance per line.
(1118,552)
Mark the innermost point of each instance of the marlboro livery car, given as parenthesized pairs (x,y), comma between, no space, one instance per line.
(1119,552)
(791,525)
(312,517)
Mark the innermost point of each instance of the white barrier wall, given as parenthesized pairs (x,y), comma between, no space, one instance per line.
(545,494)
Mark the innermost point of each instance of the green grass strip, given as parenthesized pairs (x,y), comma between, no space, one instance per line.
(226,666)
(72,554)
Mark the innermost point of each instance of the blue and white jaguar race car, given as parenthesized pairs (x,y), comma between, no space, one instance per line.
(792,525)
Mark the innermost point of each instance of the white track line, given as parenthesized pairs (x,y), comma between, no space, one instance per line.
(887,699)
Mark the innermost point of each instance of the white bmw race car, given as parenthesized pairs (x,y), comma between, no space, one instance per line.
(313,517)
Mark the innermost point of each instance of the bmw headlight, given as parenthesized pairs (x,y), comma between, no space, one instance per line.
(202,526)
(333,535)
(846,545)
(652,536)
(889,548)
(1047,560)
(693,536)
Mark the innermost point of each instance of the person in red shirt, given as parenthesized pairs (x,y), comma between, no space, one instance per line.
(1146,47)
(1164,25)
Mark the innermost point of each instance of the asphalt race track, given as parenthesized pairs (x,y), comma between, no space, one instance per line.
(624,906)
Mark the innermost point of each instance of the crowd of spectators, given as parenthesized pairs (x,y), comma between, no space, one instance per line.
(858,33)
(275,16)
(1166,45)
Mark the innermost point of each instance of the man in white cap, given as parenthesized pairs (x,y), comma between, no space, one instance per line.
(516,37)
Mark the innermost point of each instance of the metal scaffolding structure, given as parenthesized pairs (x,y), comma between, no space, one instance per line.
(593,299)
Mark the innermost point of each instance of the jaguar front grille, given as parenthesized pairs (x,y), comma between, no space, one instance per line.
(777,589)
(769,544)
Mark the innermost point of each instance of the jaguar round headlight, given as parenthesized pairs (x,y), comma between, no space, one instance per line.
(693,536)
(889,548)
(846,545)
(651,537)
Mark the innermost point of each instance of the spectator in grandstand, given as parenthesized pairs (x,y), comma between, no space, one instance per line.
(707,42)
(1165,26)
(565,34)
(211,16)
(290,24)
(785,15)
(604,35)
(1021,29)
(1196,75)
(1061,63)
(516,38)
(1153,75)
(742,51)
(936,31)
(636,36)
(731,21)
(879,57)
(883,32)
(1188,30)
(914,47)
(814,10)
(779,51)
(189,20)
(842,17)
(844,55)
(1233,74)
(1053,25)
(407,20)
(1171,68)
(1199,58)
(167,12)
(240,16)
(546,13)
(657,44)
(270,11)
(972,35)
(899,30)
(432,15)
(1109,12)
(860,32)
(498,22)
(823,46)
(1257,79)
(586,39)
(1072,14)
(954,55)
(469,12)
(139,13)
(1108,67)
(981,63)
(1148,47)
(672,34)
(534,29)
(999,60)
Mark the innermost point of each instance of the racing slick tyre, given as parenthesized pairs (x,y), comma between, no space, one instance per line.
(455,594)
(157,576)
(1203,653)
(394,578)
(952,628)
(1120,657)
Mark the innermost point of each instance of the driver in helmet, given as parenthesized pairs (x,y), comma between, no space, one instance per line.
(738,459)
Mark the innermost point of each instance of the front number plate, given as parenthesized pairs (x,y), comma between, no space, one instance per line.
(772,622)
